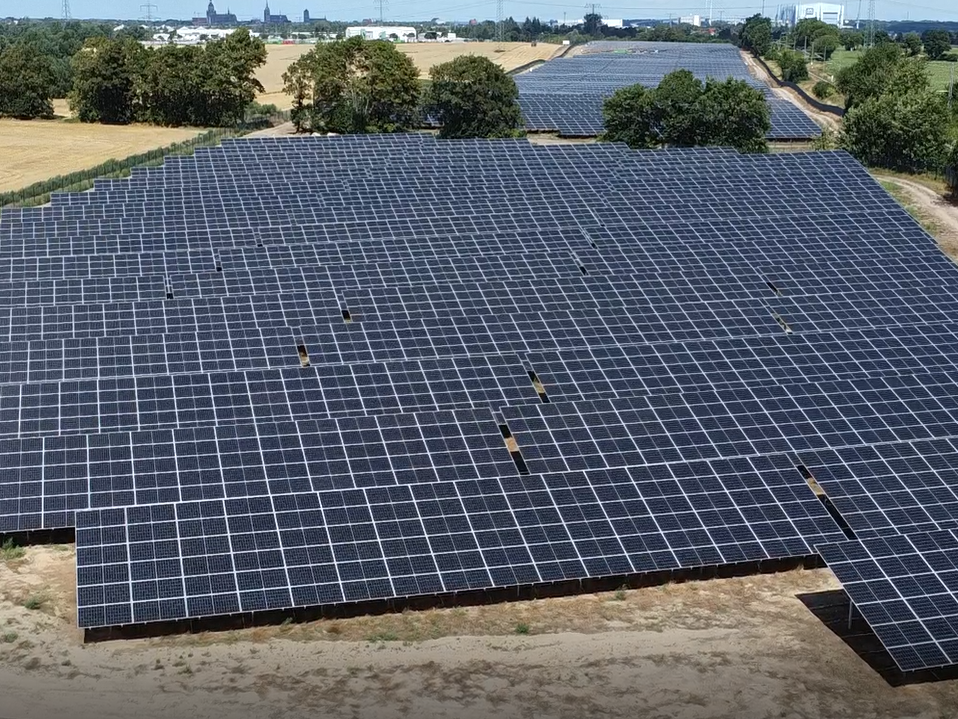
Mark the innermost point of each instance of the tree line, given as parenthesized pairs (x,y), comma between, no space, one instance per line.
(894,119)
(116,80)
(360,86)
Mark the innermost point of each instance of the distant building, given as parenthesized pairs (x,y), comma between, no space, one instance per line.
(391,33)
(270,19)
(214,18)
(826,12)
(305,15)
(695,20)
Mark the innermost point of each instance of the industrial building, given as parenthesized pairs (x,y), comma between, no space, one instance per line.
(826,12)
(393,33)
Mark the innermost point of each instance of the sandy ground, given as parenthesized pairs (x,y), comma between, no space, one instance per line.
(35,150)
(937,213)
(425,55)
(744,647)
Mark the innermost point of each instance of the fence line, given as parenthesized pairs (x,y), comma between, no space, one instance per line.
(817,104)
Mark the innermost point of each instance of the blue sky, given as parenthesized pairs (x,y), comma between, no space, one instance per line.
(458,9)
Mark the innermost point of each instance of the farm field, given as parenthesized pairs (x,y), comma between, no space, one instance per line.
(40,149)
(752,647)
(939,71)
(425,55)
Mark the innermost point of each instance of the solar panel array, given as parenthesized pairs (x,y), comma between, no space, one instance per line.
(566,95)
(311,372)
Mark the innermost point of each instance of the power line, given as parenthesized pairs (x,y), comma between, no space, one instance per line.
(149,8)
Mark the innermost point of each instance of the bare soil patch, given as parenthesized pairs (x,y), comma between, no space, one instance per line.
(930,207)
(744,647)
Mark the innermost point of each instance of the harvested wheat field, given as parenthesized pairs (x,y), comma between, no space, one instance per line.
(36,150)
(425,55)
(751,647)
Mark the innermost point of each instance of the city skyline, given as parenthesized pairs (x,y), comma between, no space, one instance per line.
(400,10)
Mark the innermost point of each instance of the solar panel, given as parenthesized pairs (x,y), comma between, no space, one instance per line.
(306,372)
(566,95)
(906,587)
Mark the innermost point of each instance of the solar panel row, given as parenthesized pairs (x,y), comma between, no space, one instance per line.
(566,95)
(555,364)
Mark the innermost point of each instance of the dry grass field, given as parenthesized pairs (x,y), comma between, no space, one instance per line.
(425,55)
(40,149)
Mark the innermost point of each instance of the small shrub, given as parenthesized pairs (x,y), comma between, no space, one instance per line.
(8,638)
(34,603)
(383,637)
(823,90)
(10,551)
(619,595)
(522,628)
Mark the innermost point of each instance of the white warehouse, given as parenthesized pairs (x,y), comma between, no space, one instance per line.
(393,33)
(826,12)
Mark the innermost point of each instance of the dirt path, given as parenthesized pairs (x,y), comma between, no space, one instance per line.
(932,205)
(824,119)
(748,648)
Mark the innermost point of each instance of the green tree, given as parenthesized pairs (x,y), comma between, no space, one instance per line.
(104,80)
(354,86)
(911,43)
(592,24)
(732,113)
(951,171)
(937,43)
(673,106)
(808,29)
(852,39)
(629,117)
(793,64)
(900,131)
(27,80)
(825,45)
(756,35)
(880,69)
(228,80)
(683,112)
(473,97)
(882,38)
(823,90)
(169,86)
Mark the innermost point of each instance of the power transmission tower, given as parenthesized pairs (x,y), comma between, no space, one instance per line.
(594,5)
(149,9)
(381,4)
(65,9)
(499,20)
(871,23)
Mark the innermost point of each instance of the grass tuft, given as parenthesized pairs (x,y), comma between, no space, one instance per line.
(34,602)
(9,551)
